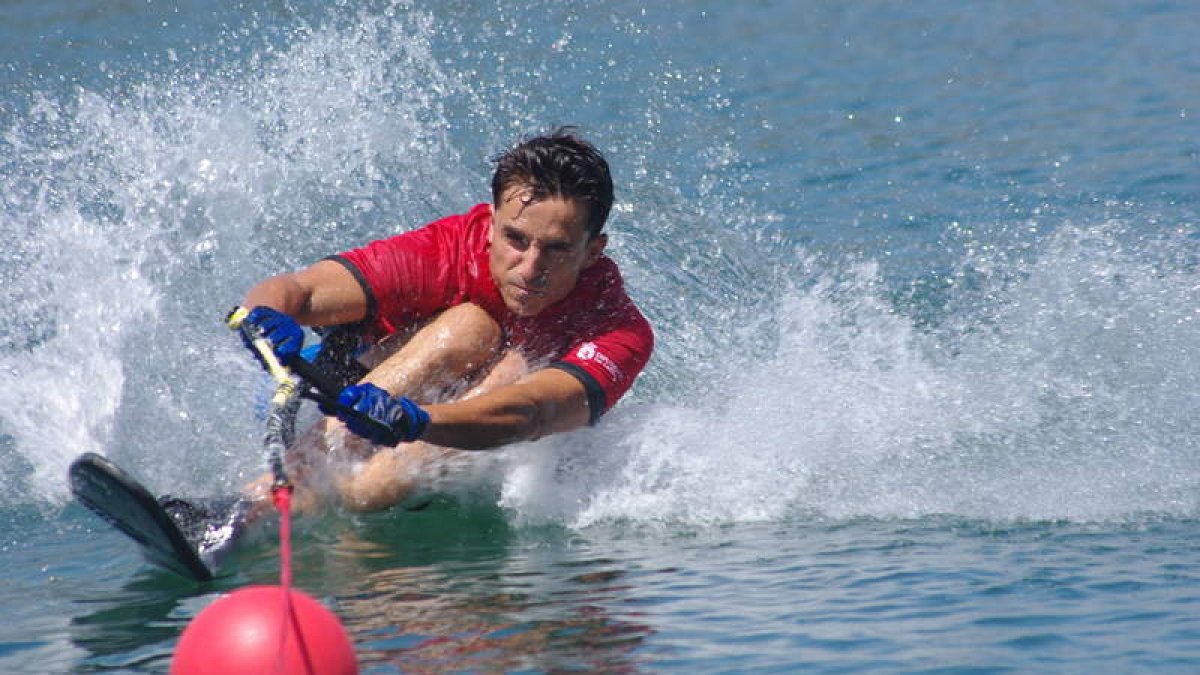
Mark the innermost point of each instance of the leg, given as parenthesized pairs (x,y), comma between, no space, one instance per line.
(449,351)
(392,475)
(453,349)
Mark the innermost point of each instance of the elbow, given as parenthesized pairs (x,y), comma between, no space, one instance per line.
(536,423)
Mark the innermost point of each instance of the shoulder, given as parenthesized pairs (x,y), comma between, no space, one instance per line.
(602,288)
(616,343)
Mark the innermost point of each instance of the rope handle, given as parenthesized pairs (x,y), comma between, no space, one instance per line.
(327,389)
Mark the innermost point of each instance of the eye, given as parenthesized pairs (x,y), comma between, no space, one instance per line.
(516,239)
(559,250)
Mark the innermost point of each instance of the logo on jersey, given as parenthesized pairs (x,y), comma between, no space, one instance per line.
(588,352)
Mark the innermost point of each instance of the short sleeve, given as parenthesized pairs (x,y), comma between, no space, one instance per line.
(608,363)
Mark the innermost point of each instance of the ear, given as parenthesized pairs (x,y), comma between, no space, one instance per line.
(594,248)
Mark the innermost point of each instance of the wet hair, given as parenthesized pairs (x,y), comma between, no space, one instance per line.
(558,164)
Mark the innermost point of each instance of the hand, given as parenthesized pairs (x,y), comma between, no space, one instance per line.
(399,419)
(282,331)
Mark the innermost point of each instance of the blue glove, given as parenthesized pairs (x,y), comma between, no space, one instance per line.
(282,331)
(400,420)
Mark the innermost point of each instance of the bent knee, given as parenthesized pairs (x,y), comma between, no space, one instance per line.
(470,326)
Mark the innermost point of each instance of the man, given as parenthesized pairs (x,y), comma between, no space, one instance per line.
(503,324)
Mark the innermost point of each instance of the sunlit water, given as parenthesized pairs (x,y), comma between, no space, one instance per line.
(924,281)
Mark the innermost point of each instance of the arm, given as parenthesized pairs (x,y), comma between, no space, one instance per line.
(324,294)
(545,402)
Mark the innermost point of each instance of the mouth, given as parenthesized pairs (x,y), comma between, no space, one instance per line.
(527,292)
(524,300)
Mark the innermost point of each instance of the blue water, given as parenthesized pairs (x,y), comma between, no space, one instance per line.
(925,278)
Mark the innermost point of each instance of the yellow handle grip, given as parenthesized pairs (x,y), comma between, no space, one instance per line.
(277,370)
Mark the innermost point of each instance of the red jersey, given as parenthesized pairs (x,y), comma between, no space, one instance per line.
(595,333)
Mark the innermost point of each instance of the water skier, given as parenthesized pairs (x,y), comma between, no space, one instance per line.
(503,324)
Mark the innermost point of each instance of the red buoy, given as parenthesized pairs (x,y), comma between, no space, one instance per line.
(249,631)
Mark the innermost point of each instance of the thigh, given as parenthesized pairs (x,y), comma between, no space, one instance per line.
(443,358)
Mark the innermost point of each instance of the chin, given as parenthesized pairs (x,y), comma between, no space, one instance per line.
(525,311)
(521,309)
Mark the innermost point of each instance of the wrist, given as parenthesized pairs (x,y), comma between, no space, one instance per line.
(413,423)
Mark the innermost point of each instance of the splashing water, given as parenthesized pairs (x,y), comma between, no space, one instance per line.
(1065,394)
(140,213)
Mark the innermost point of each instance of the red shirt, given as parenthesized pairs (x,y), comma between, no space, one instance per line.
(595,333)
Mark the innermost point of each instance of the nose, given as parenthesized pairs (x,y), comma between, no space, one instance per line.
(533,269)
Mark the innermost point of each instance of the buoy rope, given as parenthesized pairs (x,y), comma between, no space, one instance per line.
(283,502)
(282,495)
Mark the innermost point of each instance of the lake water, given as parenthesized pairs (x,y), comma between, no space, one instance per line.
(925,278)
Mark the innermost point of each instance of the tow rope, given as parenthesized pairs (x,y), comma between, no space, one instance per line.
(281,420)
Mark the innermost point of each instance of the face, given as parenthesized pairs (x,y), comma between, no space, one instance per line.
(538,249)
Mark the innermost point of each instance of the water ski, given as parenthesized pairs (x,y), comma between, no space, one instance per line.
(184,537)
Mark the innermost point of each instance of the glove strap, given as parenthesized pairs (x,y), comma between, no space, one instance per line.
(414,422)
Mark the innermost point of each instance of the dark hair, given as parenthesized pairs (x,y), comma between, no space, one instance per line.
(558,164)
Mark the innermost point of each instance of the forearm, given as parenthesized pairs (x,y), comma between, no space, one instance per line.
(550,401)
(469,426)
